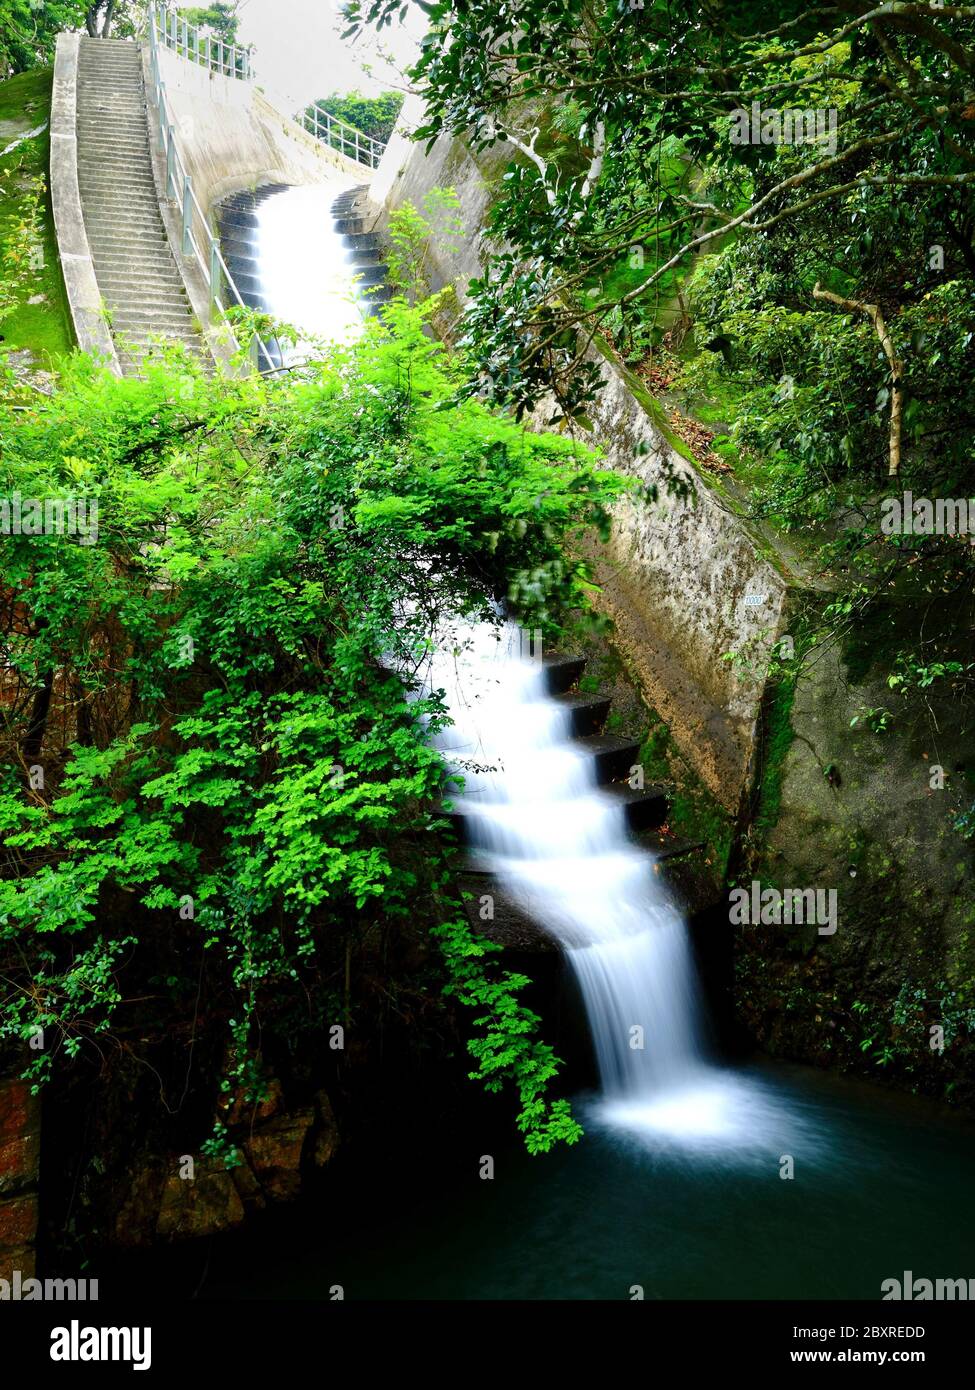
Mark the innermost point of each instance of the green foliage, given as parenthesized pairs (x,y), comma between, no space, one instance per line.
(228,764)
(220,18)
(374,116)
(33,308)
(642,150)
(506,1049)
(902,1036)
(19,235)
(413,234)
(28,31)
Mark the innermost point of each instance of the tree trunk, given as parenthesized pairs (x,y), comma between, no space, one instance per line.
(34,738)
(896,368)
(102,31)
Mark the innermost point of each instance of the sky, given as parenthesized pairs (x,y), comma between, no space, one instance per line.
(299,54)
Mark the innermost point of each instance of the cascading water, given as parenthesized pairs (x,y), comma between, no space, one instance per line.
(306,269)
(560,847)
(557,843)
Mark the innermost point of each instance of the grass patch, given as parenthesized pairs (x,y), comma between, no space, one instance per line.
(42,328)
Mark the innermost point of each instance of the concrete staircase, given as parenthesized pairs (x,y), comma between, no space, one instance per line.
(237,222)
(134,265)
(354,214)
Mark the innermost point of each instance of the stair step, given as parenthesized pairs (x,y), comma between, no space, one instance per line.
(120,152)
(121,198)
(131,126)
(142,280)
(121,238)
(238,245)
(134,167)
(117,195)
(128,310)
(614,755)
(110,98)
(153,321)
(101,220)
(237,217)
(562,672)
(370,275)
(129,257)
(134,347)
(587,712)
(104,185)
(509,925)
(643,810)
(141,215)
(660,844)
(247,284)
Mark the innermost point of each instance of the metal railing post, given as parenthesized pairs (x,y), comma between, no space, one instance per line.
(161,98)
(171,161)
(214,275)
(187,214)
(220,56)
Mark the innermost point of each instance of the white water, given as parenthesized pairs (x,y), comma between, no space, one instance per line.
(306,268)
(559,845)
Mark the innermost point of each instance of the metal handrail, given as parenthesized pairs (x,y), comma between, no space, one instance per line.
(179,185)
(189,42)
(333,131)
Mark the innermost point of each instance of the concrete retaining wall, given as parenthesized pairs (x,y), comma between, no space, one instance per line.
(685,581)
(231,137)
(84,297)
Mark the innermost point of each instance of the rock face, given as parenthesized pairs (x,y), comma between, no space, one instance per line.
(20,1143)
(183,1196)
(874,818)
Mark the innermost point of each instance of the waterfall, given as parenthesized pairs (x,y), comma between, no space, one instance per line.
(557,844)
(560,847)
(306,267)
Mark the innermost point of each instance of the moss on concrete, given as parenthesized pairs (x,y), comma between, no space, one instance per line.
(41,328)
(775,740)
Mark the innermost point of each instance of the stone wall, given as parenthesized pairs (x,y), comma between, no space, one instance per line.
(20,1145)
